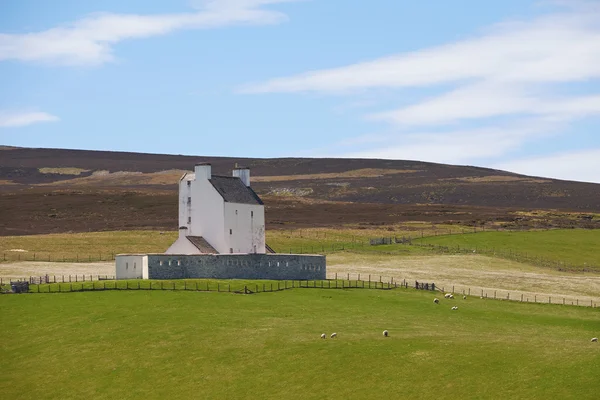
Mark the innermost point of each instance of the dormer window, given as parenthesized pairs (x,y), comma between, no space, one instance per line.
(189,183)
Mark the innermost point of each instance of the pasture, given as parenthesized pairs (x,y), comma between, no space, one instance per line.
(567,246)
(159,344)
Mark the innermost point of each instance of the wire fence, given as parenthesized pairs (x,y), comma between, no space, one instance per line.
(53,257)
(47,284)
(511,254)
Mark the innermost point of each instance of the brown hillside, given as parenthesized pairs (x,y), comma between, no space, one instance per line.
(53,190)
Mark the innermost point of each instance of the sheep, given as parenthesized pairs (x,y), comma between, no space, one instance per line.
(455,308)
(385,333)
(449,296)
(333,335)
(323,336)
(464,297)
(594,339)
(436,300)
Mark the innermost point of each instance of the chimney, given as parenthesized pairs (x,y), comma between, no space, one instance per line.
(202,171)
(243,173)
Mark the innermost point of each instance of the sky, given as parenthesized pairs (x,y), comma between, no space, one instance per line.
(511,84)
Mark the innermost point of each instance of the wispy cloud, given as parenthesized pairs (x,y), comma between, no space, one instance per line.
(13,119)
(506,89)
(90,41)
(561,47)
(580,165)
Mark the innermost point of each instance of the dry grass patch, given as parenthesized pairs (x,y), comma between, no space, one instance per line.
(356,173)
(15,269)
(471,271)
(124,178)
(496,178)
(63,171)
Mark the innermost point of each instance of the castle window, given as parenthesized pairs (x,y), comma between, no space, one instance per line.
(189,183)
(126,265)
(160,263)
(189,200)
(189,220)
(134,266)
(235,212)
(252,213)
(231,231)
(231,250)
(178,262)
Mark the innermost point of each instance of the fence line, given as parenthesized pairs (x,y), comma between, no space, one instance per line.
(52,257)
(337,281)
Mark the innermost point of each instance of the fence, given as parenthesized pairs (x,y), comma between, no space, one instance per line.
(336,281)
(513,255)
(209,286)
(46,279)
(52,257)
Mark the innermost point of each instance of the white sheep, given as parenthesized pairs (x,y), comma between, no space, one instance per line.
(447,295)
(464,297)
(323,336)
(455,308)
(333,335)
(385,333)
(594,339)
(436,300)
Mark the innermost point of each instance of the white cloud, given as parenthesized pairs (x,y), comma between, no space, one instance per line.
(491,99)
(556,48)
(508,83)
(18,119)
(583,165)
(89,41)
(453,147)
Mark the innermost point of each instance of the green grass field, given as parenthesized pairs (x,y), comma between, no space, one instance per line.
(177,345)
(570,246)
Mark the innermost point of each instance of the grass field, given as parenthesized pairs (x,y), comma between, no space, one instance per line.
(571,246)
(98,246)
(178,345)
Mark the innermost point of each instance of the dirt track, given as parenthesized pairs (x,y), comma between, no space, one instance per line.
(476,273)
(25,269)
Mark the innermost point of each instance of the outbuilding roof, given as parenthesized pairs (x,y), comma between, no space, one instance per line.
(202,245)
(233,190)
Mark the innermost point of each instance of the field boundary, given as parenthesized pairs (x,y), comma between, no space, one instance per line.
(254,287)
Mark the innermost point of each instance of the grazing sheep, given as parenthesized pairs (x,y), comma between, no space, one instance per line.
(323,336)
(333,335)
(455,308)
(385,333)
(436,300)
(594,339)
(447,295)
(464,297)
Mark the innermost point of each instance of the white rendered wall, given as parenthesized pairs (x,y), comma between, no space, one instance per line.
(182,245)
(131,266)
(246,222)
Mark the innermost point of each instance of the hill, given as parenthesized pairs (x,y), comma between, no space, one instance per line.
(55,190)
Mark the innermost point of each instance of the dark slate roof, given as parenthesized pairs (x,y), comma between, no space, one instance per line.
(202,245)
(233,190)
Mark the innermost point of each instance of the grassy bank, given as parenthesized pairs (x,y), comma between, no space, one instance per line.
(176,344)
(571,247)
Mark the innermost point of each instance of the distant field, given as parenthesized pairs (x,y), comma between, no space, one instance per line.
(92,246)
(100,246)
(179,345)
(569,246)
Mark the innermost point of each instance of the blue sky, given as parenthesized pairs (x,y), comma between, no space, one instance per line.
(510,84)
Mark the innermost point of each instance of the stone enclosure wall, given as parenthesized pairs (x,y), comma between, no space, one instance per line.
(237,266)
